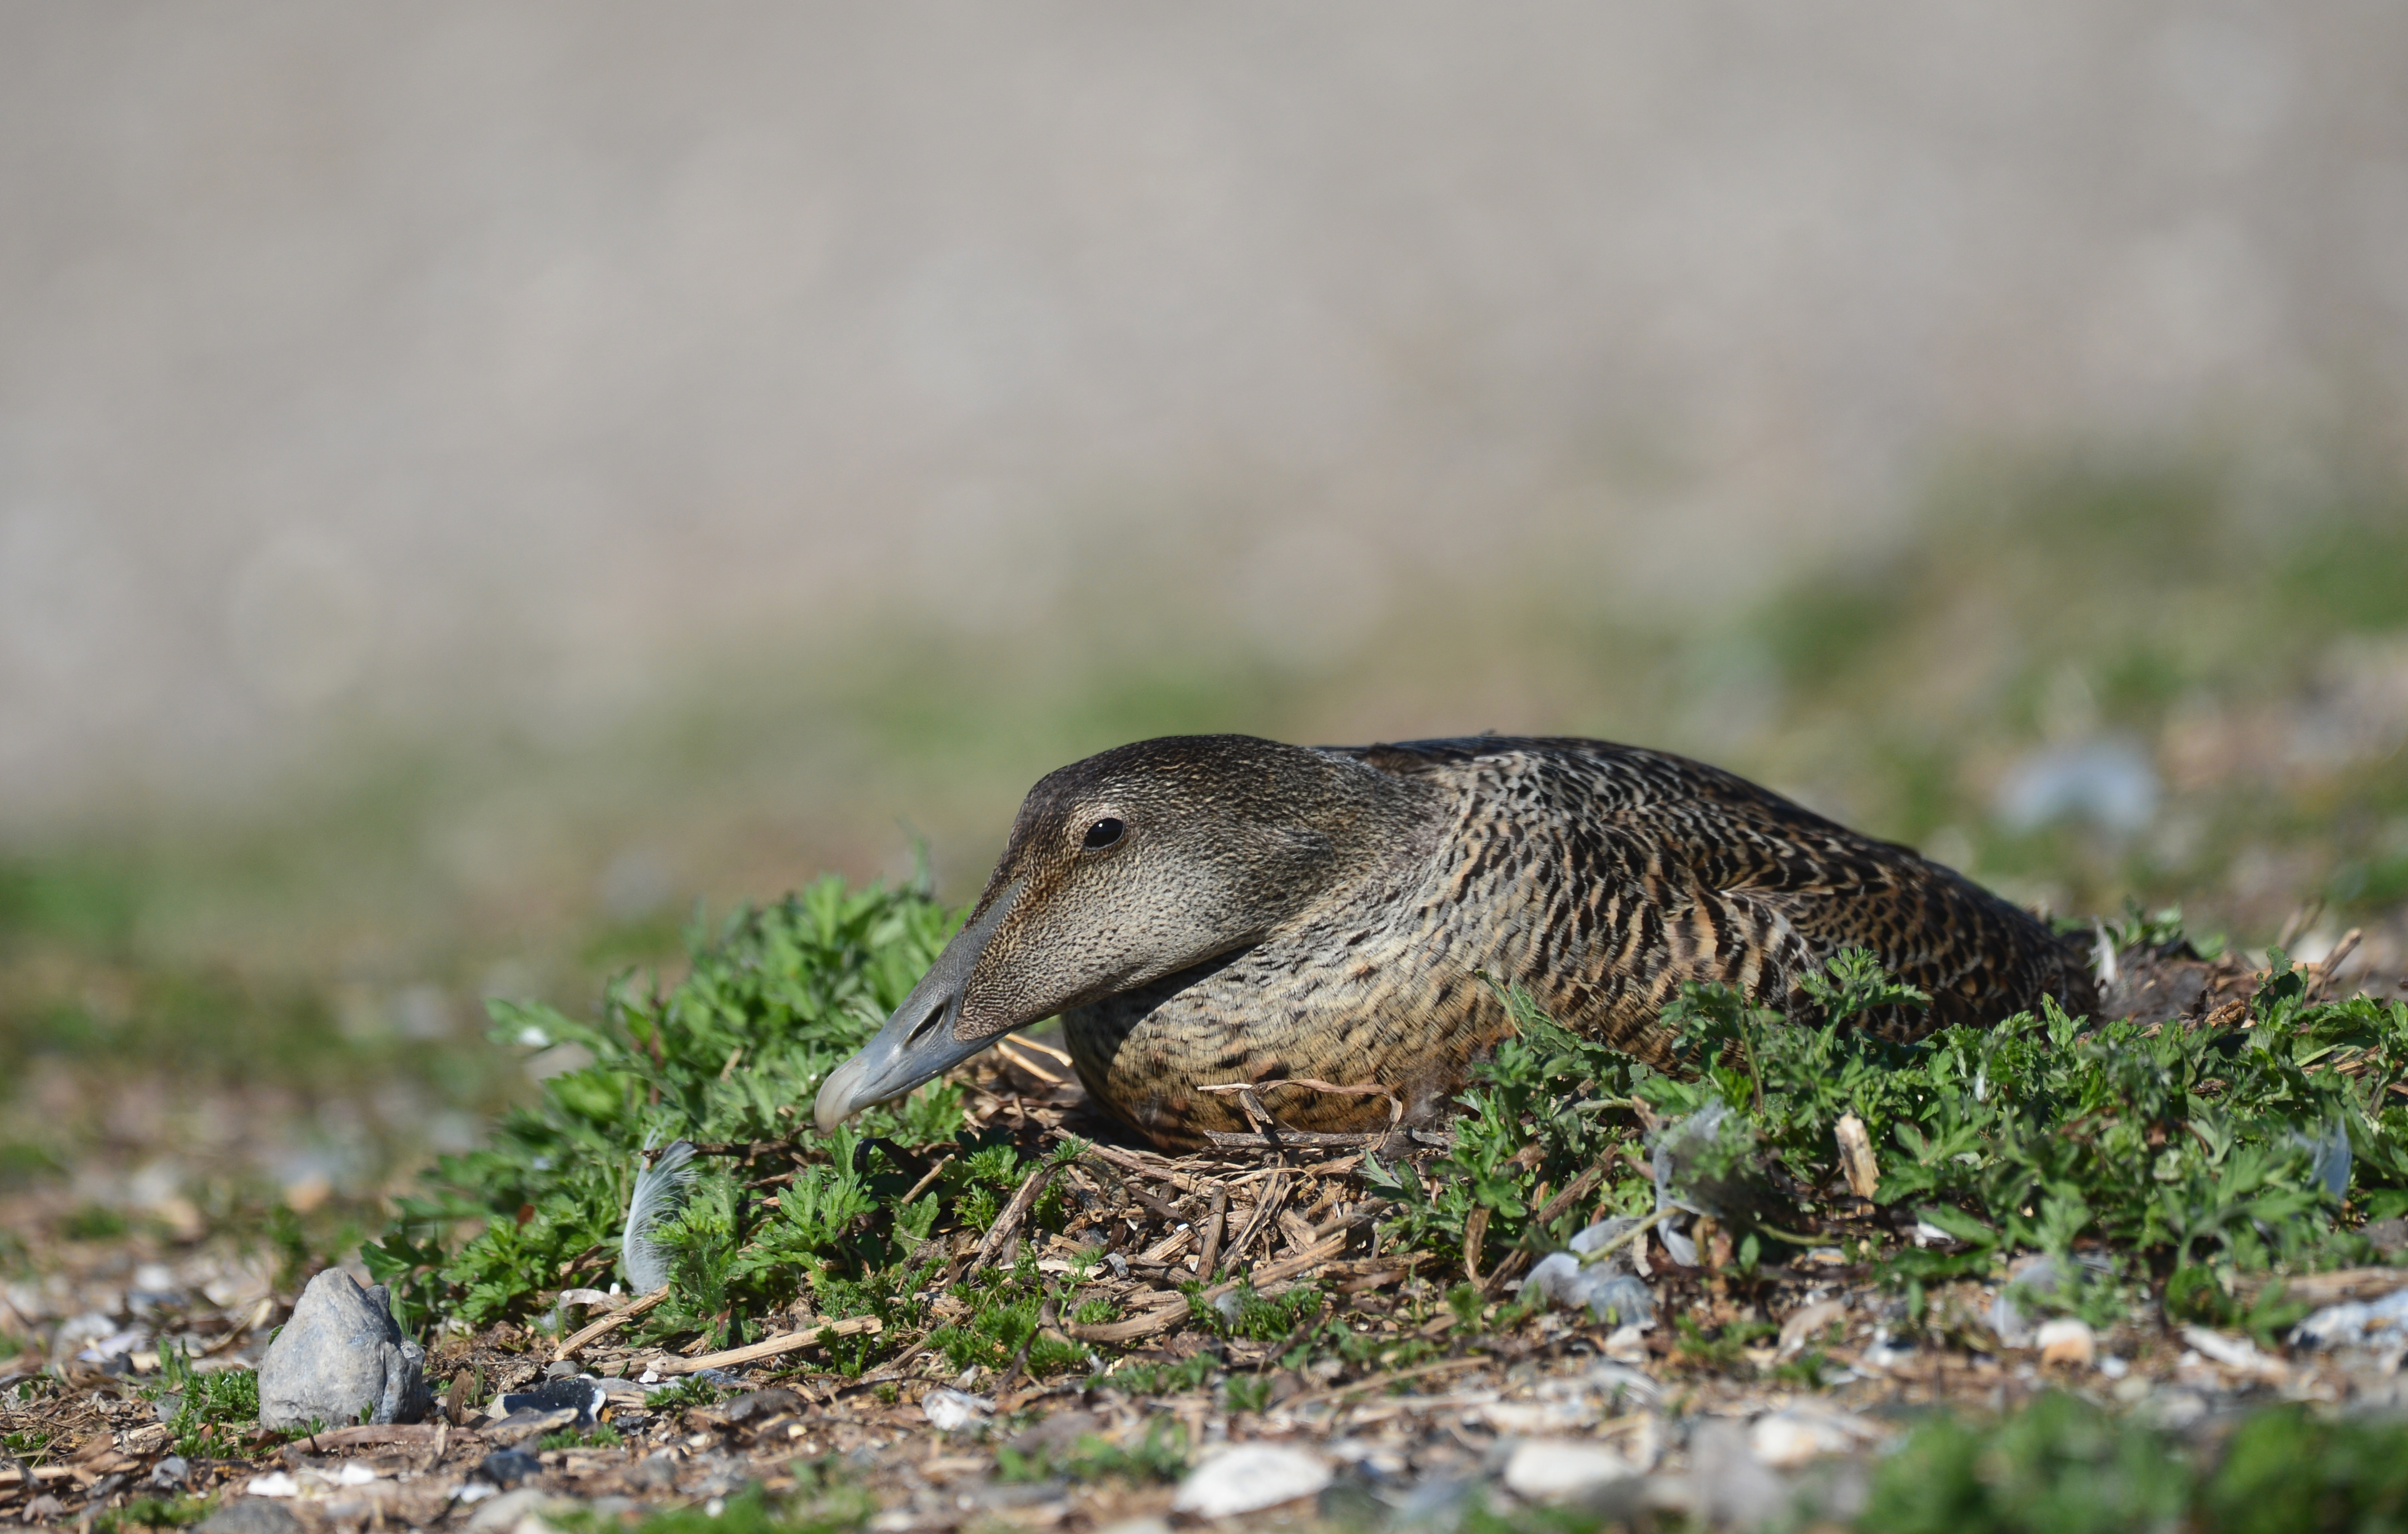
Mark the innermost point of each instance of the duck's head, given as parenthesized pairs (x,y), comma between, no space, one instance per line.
(1121,870)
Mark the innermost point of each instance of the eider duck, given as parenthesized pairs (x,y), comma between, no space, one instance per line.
(1208,909)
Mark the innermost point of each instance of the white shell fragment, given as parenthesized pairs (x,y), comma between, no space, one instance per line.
(1786,1440)
(2360,1323)
(950,1409)
(1560,1470)
(1607,1286)
(1249,1478)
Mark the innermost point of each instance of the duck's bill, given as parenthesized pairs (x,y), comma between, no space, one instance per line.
(917,1044)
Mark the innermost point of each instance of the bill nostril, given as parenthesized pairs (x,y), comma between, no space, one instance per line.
(927,1024)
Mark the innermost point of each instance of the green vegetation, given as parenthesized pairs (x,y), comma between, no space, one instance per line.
(30,1446)
(2155,1166)
(602,1435)
(2180,1156)
(1160,1455)
(180,1512)
(823,1502)
(215,1412)
(93,1223)
(677,1395)
(2063,1467)
(786,993)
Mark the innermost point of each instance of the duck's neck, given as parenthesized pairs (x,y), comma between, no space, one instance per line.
(1376,825)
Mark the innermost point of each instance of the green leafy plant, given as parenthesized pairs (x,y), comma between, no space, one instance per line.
(677,1395)
(601,1436)
(31,1446)
(214,1411)
(785,992)
(1003,1324)
(2060,1465)
(1547,1107)
(2136,1157)
(1159,1456)
(1168,1379)
(153,1513)
(822,1502)
(93,1223)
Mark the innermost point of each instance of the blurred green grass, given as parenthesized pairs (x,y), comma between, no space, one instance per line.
(2248,638)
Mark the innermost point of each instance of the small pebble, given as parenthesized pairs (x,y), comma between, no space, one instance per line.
(236,1516)
(1786,1440)
(508,1467)
(2067,1340)
(1809,1323)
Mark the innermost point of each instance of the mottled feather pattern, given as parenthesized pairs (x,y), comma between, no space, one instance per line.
(1599,877)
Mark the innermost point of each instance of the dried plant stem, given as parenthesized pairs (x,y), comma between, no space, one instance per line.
(1266,1208)
(770,1347)
(1215,1223)
(1598,1253)
(613,1322)
(1008,1221)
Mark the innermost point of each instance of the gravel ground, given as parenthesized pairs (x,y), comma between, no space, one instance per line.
(1440,1408)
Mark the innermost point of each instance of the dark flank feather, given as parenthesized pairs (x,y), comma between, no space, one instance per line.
(1266,911)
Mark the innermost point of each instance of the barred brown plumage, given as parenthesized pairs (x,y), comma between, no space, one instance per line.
(1261,912)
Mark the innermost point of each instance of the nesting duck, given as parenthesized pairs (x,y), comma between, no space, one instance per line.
(1203,911)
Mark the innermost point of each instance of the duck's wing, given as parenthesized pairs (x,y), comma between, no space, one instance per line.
(1732,881)
(1980,958)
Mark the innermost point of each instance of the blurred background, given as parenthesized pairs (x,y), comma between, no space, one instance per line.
(481,482)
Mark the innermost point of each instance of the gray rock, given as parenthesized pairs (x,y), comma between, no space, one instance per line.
(508,1467)
(519,1426)
(341,1354)
(2361,1323)
(1731,1487)
(250,1515)
(2012,1315)
(497,1513)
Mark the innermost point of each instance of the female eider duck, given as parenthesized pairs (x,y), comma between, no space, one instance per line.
(1210,909)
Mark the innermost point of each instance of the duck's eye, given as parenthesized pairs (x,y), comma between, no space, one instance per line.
(1102,835)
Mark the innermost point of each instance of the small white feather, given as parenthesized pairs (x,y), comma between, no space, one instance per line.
(660,1188)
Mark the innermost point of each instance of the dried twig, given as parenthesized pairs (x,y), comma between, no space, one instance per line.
(1015,1050)
(1159,1320)
(1248,1099)
(2320,974)
(925,1177)
(1574,1192)
(1129,1161)
(1008,1221)
(770,1347)
(1215,1223)
(625,1313)
(1376,1381)
(1265,1209)
(1311,1256)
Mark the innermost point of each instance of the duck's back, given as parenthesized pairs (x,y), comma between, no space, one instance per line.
(1627,871)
